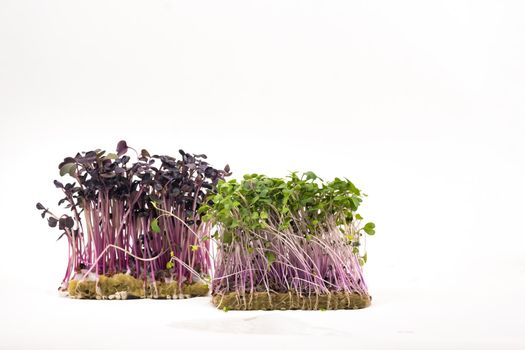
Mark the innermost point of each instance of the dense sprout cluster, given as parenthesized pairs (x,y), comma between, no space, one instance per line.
(299,234)
(141,225)
(138,217)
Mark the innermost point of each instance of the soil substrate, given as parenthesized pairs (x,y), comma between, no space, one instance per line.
(291,301)
(122,286)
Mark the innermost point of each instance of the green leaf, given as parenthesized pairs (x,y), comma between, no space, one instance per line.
(310,175)
(235,223)
(111,156)
(194,248)
(203,209)
(155,225)
(264,215)
(227,237)
(270,256)
(358,217)
(370,228)
(68,168)
(169,265)
(365,257)
(355,202)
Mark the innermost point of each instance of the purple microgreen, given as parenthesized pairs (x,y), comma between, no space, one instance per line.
(135,213)
(122,148)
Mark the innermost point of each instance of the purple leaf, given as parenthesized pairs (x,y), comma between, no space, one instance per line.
(52,222)
(58,184)
(122,147)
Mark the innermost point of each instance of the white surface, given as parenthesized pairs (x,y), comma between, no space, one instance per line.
(420,104)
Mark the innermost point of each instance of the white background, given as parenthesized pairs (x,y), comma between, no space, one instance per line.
(420,103)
